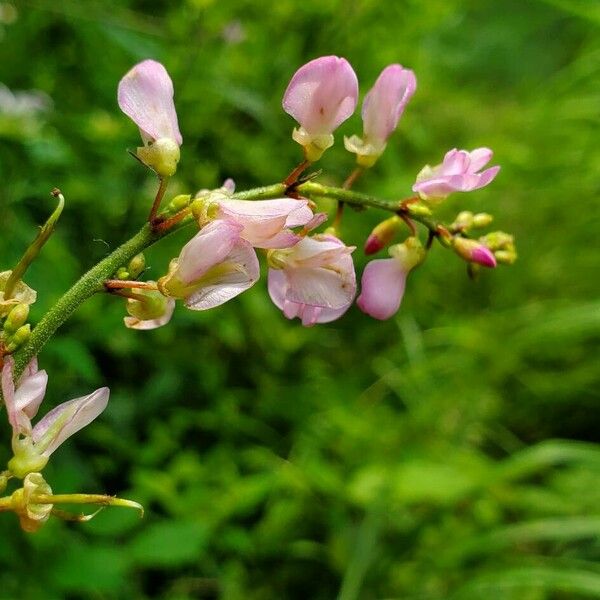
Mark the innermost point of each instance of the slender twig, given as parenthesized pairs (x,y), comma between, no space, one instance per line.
(164,181)
(293,176)
(93,281)
(164,226)
(34,248)
(119,284)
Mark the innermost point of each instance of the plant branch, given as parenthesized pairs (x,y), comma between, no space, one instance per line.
(93,281)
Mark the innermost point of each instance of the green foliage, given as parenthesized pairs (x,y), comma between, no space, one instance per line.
(447,453)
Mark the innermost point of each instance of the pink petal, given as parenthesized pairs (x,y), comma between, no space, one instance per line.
(225,285)
(264,220)
(68,418)
(145,95)
(383,283)
(207,248)
(384,104)
(456,162)
(436,188)
(479,158)
(322,94)
(30,393)
(319,251)
(277,283)
(484,256)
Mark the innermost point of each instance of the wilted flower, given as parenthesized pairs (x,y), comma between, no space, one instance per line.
(384,280)
(381,110)
(32,446)
(458,173)
(22,294)
(149,311)
(213,267)
(146,96)
(321,95)
(313,280)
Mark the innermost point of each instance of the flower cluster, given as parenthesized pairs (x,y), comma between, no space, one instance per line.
(311,275)
(311,272)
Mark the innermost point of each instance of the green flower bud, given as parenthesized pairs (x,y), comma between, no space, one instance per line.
(136,265)
(481,220)
(19,337)
(16,318)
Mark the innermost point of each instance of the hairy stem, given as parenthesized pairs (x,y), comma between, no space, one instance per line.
(93,281)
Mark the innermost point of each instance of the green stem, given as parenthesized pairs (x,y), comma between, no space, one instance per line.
(93,281)
(34,248)
(86,287)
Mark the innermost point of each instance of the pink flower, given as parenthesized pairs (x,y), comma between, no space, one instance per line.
(150,311)
(458,173)
(213,267)
(313,280)
(384,280)
(267,223)
(32,446)
(382,108)
(321,95)
(146,96)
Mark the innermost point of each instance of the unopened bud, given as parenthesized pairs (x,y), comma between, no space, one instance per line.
(418,209)
(19,337)
(136,265)
(382,234)
(16,318)
(474,251)
(463,221)
(498,240)
(481,220)
(122,274)
(179,203)
(505,257)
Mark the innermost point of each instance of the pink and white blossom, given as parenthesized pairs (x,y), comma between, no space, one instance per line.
(313,280)
(321,95)
(267,223)
(384,280)
(381,110)
(459,172)
(145,95)
(213,267)
(33,445)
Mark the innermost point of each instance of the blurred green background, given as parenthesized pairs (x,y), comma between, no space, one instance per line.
(446,453)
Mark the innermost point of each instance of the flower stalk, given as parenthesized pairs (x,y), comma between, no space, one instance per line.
(94,280)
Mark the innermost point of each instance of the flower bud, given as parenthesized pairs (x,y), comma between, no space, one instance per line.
(382,234)
(474,251)
(463,221)
(19,337)
(321,95)
(505,257)
(122,274)
(136,265)
(481,220)
(16,318)
(179,203)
